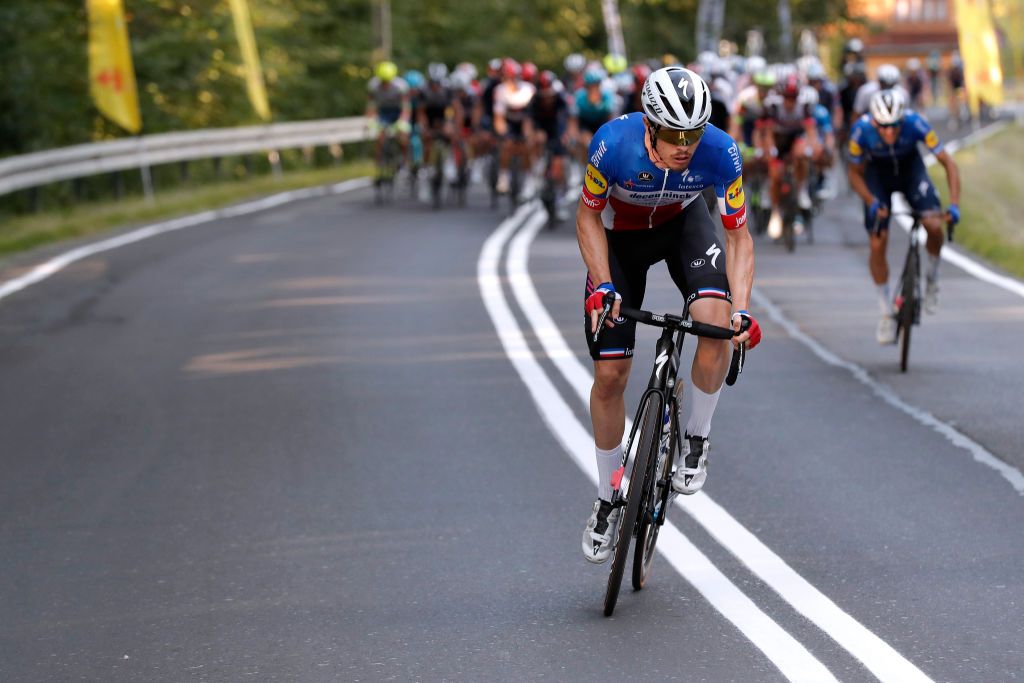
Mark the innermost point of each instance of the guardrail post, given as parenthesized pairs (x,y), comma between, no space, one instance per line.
(117,184)
(275,163)
(183,171)
(336,153)
(147,182)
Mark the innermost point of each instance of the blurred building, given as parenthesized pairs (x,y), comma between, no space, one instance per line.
(909,28)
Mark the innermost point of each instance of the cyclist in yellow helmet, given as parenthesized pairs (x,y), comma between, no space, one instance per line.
(388,107)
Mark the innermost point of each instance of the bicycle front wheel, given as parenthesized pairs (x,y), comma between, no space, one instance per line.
(908,309)
(639,450)
(656,498)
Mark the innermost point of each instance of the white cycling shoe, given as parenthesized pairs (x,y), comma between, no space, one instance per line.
(599,535)
(692,471)
(931,296)
(885,333)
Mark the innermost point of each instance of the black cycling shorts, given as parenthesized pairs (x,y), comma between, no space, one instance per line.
(690,247)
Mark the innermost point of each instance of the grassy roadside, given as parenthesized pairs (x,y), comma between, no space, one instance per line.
(991,203)
(20,233)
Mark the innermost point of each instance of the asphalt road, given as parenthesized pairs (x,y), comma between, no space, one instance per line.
(292,445)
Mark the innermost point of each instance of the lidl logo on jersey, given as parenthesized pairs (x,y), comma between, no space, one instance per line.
(855,149)
(734,194)
(931,139)
(594,181)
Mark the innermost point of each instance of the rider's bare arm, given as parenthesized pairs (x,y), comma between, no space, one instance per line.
(952,175)
(855,172)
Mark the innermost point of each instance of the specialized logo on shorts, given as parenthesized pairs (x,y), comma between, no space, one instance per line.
(855,149)
(594,181)
(713,251)
(931,139)
(645,176)
(697,263)
(734,195)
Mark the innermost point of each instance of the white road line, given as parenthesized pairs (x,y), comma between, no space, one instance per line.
(784,651)
(58,263)
(878,656)
(977,451)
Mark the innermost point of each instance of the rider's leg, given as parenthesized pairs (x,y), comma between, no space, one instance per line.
(608,415)
(710,364)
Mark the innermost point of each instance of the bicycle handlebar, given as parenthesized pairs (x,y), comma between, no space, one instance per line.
(917,217)
(677,322)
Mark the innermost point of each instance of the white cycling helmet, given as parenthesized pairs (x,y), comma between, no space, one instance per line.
(888,76)
(756,64)
(887,107)
(676,98)
(575,63)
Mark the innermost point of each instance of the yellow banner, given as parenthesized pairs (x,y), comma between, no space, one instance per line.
(251,57)
(111,74)
(979,49)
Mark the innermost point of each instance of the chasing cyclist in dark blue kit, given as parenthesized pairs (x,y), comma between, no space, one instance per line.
(884,158)
(641,204)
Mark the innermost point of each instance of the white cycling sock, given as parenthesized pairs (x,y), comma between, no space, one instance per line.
(702,409)
(933,267)
(607,463)
(884,299)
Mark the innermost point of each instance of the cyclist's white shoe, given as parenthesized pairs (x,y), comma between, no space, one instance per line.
(886,331)
(503,182)
(692,470)
(803,199)
(775,225)
(599,536)
(931,296)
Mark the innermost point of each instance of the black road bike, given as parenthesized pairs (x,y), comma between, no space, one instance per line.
(384,181)
(908,302)
(653,445)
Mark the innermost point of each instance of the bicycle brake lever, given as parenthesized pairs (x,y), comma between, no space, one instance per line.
(600,321)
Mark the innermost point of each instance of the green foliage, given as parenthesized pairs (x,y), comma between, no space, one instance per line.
(316,54)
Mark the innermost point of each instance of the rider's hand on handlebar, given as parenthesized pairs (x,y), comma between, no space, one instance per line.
(751,335)
(595,304)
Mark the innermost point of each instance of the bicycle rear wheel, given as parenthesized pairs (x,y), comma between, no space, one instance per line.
(656,498)
(645,431)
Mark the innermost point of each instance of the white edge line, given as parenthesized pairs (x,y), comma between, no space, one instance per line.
(977,451)
(58,263)
(791,658)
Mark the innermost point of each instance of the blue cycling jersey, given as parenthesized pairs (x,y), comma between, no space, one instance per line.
(585,110)
(866,144)
(822,120)
(632,193)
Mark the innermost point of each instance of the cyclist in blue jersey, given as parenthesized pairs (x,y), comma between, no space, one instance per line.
(591,107)
(884,158)
(640,204)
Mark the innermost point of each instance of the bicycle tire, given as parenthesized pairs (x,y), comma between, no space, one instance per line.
(907,309)
(649,526)
(789,236)
(647,418)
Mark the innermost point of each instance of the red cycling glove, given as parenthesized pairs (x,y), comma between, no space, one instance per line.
(754,329)
(595,302)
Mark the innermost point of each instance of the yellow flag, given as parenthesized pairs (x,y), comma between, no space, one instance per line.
(253,70)
(979,49)
(111,75)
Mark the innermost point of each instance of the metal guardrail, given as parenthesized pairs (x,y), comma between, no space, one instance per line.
(79,161)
